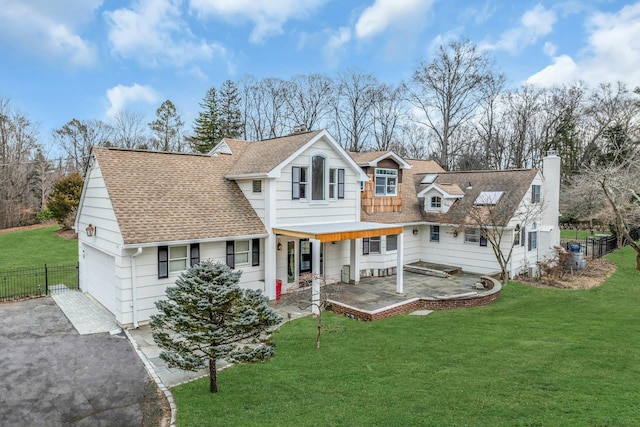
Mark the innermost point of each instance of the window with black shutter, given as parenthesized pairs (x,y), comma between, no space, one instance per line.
(195,254)
(231,256)
(365,246)
(255,252)
(163,262)
(340,183)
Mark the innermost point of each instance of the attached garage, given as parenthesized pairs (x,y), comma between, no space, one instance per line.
(99,276)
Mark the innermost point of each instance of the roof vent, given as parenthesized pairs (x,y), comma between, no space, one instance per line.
(469,187)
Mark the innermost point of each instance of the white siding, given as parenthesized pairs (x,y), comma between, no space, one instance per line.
(257,200)
(291,212)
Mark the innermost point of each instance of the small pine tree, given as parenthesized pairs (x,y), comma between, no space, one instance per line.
(206,128)
(167,128)
(230,116)
(207,317)
(65,197)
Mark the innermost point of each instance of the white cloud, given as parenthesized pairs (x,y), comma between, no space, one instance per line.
(534,24)
(268,17)
(154,32)
(612,52)
(120,96)
(332,49)
(39,26)
(386,13)
(549,49)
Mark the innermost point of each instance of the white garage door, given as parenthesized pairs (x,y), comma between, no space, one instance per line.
(99,277)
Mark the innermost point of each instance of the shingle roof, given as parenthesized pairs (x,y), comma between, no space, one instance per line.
(164,197)
(514,183)
(411,208)
(364,157)
(260,157)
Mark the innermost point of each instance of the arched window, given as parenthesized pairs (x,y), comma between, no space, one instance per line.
(317,178)
(436,202)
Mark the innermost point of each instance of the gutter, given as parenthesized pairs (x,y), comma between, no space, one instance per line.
(134,290)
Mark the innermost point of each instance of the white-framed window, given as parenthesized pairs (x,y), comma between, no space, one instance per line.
(371,245)
(299,182)
(533,237)
(172,259)
(242,252)
(392,242)
(471,235)
(436,202)
(434,233)
(256,185)
(535,194)
(318,165)
(386,182)
(516,236)
(336,183)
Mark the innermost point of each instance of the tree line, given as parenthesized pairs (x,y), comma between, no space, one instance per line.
(455,109)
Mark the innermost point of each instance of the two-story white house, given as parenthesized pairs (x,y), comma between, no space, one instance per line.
(277,210)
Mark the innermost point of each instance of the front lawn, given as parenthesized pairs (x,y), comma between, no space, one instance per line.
(35,248)
(577,234)
(535,357)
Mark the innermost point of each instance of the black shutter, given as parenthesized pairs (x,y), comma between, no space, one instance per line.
(255,252)
(295,182)
(163,262)
(195,254)
(340,183)
(529,246)
(365,246)
(523,236)
(231,254)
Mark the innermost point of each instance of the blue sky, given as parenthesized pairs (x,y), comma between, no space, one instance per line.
(88,59)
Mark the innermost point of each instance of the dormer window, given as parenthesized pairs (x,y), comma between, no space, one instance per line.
(436,202)
(386,182)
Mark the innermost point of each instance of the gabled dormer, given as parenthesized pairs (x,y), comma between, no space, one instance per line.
(439,197)
(383,191)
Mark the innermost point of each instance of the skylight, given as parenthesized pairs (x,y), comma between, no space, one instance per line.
(488,197)
(429,178)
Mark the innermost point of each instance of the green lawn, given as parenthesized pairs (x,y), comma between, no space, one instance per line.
(577,234)
(35,248)
(535,357)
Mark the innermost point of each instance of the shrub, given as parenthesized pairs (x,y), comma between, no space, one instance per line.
(65,198)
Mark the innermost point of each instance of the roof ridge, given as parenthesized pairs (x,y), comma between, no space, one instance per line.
(140,150)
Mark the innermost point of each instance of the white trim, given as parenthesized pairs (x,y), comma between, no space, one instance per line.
(436,187)
(188,242)
(399,160)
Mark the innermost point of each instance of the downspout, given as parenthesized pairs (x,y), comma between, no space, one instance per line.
(134,290)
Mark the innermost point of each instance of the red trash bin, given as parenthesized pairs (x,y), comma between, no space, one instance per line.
(278,288)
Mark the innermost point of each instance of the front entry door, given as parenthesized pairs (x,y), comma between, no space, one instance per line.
(305,256)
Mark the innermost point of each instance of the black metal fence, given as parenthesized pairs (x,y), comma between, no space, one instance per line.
(596,246)
(19,283)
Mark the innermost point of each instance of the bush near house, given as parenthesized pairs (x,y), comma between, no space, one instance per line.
(535,357)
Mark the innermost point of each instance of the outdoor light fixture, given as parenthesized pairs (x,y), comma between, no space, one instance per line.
(415,231)
(455,233)
(91,230)
(279,245)
(469,187)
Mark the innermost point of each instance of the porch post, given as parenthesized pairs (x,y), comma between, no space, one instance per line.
(354,261)
(270,242)
(400,264)
(315,271)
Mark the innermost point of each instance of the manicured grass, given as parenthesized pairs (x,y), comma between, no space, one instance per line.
(577,234)
(35,248)
(535,357)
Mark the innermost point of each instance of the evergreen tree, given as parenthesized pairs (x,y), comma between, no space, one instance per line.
(205,318)
(230,116)
(206,129)
(167,128)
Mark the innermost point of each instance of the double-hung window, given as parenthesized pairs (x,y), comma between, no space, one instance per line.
(371,245)
(299,182)
(436,202)
(172,259)
(471,235)
(392,242)
(241,252)
(535,194)
(386,182)
(434,233)
(533,237)
(336,183)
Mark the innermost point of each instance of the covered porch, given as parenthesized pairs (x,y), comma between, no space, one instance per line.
(329,253)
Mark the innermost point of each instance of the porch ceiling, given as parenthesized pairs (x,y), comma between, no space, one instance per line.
(338,231)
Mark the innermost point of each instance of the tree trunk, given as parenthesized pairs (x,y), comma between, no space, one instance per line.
(213,376)
(638,261)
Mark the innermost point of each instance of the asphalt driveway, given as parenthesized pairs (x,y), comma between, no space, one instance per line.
(52,376)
